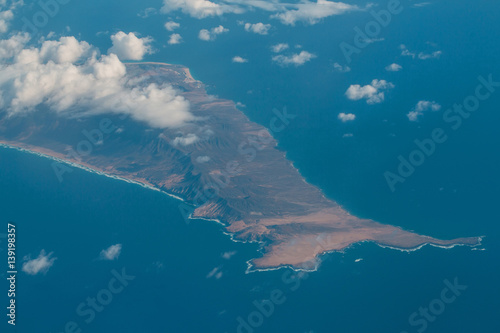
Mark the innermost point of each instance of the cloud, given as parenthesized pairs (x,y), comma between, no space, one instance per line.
(199,8)
(239,59)
(216,273)
(421,4)
(111,253)
(372,40)
(294,59)
(5,18)
(65,50)
(433,55)
(345,117)
(130,47)
(228,255)
(10,47)
(147,12)
(405,52)
(219,30)
(309,12)
(373,93)
(7,13)
(71,79)
(175,39)
(421,107)
(185,140)
(204,34)
(210,35)
(422,55)
(39,265)
(278,48)
(342,69)
(258,28)
(312,12)
(202,159)
(171,25)
(394,68)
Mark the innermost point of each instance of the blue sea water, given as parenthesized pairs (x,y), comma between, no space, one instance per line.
(453,194)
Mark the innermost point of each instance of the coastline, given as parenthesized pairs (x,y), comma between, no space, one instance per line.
(83,166)
(251,268)
(296,223)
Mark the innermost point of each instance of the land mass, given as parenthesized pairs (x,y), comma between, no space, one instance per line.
(223,165)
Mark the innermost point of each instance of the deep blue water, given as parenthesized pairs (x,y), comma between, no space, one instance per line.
(170,260)
(454,194)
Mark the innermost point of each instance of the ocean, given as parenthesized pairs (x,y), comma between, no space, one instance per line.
(182,282)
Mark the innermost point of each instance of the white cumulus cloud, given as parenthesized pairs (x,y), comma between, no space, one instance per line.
(111,253)
(147,12)
(41,264)
(129,46)
(421,55)
(433,55)
(421,107)
(185,140)
(394,68)
(71,79)
(258,28)
(278,48)
(312,12)
(175,39)
(7,9)
(373,93)
(5,17)
(65,50)
(202,159)
(171,25)
(12,46)
(239,59)
(342,69)
(296,59)
(210,35)
(406,52)
(199,8)
(345,117)
(289,13)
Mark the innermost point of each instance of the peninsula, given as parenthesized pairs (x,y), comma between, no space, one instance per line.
(223,165)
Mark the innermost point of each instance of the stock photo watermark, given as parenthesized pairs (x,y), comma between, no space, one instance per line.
(93,138)
(47,9)
(292,279)
(372,29)
(11,272)
(454,118)
(265,308)
(96,136)
(421,319)
(88,310)
(248,149)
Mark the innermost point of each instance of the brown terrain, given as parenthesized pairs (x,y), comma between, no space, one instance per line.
(233,174)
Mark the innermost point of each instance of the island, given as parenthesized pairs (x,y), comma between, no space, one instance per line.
(224,166)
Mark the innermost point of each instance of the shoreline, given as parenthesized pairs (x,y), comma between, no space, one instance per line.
(186,69)
(251,268)
(86,168)
(344,250)
(298,216)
